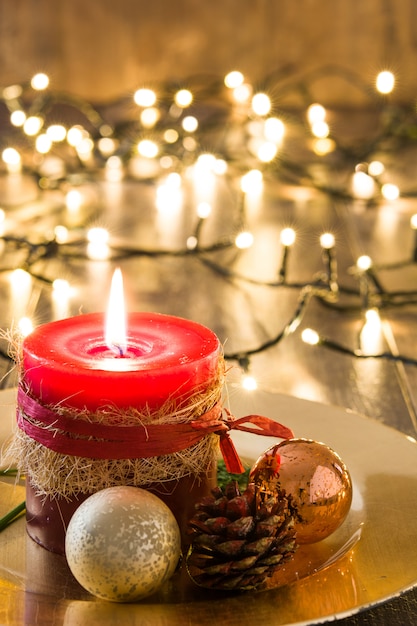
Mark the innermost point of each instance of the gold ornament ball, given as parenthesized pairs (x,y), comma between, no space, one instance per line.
(122,544)
(316,478)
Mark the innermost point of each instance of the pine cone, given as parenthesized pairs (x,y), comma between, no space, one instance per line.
(238,540)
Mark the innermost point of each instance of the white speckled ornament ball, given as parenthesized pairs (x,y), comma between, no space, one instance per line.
(122,544)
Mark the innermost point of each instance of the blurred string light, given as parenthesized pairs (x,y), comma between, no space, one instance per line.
(225,128)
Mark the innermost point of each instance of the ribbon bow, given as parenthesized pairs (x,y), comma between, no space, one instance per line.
(221,422)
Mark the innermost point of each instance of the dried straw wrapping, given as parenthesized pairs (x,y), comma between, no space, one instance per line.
(64,476)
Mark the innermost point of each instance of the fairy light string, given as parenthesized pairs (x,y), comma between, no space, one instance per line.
(219,128)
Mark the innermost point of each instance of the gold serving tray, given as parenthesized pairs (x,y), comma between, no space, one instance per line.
(372,557)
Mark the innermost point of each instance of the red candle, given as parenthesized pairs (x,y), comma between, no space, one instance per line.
(80,364)
(68,362)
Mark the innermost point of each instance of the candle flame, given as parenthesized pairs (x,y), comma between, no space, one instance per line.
(116,316)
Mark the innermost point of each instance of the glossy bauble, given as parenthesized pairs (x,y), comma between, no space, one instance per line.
(317,480)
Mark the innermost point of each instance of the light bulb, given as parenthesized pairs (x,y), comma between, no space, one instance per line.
(43,143)
(364,262)
(25,326)
(149,117)
(190,123)
(249,383)
(287,236)
(310,336)
(316,113)
(56,132)
(148,148)
(242,93)
(183,98)
(274,129)
(267,151)
(234,79)
(385,82)
(251,181)
(320,129)
(144,97)
(390,191)
(327,241)
(203,210)
(18,118)
(244,240)
(32,125)
(261,104)
(11,156)
(73,200)
(39,82)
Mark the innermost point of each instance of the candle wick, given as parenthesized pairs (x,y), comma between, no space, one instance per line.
(118,349)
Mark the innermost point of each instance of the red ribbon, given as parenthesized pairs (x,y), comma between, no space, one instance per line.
(77,437)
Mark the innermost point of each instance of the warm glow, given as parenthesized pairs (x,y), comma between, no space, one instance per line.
(267,152)
(61,233)
(10,156)
(244,240)
(171,135)
(363,186)
(287,236)
(249,383)
(183,98)
(73,200)
(148,148)
(56,132)
(20,279)
(145,97)
(261,104)
(32,125)
(310,336)
(149,117)
(61,288)
(242,93)
(413,221)
(25,326)
(203,210)
(12,92)
(39,81)
(274,129)
(251,181)
(75,135)
(385,82)
(376,168)
(190,123)
(234,79)
(371,337)
(116,316)
(98,235)
(169,195)
(85,148)
(327,241)
(364,262)
(390,191)
(114,169)
(43,143)
(107,146)
(220,167)
(316,113)
(18,118)
(320,129)
(323,146)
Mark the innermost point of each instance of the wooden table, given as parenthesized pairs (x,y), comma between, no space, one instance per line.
(229,291)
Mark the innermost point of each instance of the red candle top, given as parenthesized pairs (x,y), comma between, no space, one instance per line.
(68,362)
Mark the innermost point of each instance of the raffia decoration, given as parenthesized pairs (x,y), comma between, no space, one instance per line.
(59,475)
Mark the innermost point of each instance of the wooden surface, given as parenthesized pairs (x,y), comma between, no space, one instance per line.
(104,50)
(245,311)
